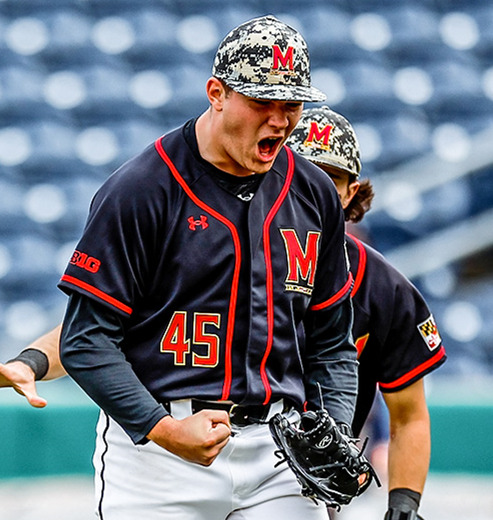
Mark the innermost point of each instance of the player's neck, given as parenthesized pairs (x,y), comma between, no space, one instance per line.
(205,133)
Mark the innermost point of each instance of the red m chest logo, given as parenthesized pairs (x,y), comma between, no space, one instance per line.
(302,261)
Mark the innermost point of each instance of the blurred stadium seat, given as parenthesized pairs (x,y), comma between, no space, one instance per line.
(327,30)
(69,40)
(20,95)
(33,268)
(107,94)
(410,131)
(232,14)
(482,189)
(457,85)
(369,89)
(13,220)
(483,15)
(52,149)
(155,38)
(136,134)
(415,32)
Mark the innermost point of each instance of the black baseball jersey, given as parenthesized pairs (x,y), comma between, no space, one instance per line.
(395,333)
(213,288)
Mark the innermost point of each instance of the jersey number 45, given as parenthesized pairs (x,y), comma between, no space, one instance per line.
(202,344)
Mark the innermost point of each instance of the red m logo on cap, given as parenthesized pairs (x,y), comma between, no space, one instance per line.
(320,136)
(285,60)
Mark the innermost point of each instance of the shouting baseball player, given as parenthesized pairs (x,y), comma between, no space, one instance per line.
(200,260)
(395,333)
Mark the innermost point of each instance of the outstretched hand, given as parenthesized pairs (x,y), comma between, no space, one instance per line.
(20,377)
(198,438)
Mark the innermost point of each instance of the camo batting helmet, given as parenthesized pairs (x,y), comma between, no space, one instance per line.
(327,138)
(266,59)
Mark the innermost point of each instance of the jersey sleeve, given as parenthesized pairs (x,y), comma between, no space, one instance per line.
(412,346)
(109,264)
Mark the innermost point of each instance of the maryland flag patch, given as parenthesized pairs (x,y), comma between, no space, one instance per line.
(429,332)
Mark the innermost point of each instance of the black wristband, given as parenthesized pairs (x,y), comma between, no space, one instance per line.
(35,359)
(404,499)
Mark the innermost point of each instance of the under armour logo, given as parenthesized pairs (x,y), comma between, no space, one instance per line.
(193,223)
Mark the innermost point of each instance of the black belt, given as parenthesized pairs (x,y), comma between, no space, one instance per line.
(239,414)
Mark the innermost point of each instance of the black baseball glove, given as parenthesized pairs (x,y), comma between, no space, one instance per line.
(327,463)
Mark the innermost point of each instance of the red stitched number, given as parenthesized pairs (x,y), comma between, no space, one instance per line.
(175,337)
(201,337)
(176,342)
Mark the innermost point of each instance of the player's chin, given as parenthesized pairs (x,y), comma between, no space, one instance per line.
(261,167)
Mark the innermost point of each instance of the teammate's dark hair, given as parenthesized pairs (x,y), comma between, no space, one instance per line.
(361,202)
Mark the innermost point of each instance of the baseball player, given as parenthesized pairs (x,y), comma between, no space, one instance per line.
(395,333)
(200,259)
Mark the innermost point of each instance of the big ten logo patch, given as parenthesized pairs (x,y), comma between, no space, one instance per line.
(301,261)
(84,261)
(429,333)
(282,63)
(318,138)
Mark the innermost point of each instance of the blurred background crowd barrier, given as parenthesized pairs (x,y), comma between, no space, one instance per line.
(86,84)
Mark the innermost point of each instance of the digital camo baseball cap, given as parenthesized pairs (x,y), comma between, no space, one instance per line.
(326,138)
(266,59)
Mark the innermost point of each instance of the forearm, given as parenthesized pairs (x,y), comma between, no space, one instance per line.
(410,443)
(90,353)
(409,454)
(49,345)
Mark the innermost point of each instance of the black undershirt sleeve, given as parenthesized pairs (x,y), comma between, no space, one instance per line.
(331,365)
(90,352)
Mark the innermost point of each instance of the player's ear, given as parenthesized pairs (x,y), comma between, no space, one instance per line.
(352,189)
(215,93)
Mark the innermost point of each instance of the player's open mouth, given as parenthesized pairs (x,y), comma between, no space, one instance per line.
(268,147)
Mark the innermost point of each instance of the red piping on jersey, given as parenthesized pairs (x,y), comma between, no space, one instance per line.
(360,273)
(236,273)
(415,372)
(100,294)
(269,278)
(337,296)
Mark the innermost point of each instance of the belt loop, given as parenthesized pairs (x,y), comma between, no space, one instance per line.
(277,407)
(181,409)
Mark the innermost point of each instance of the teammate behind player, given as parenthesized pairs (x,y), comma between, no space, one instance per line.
(196,266)
(395,333)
